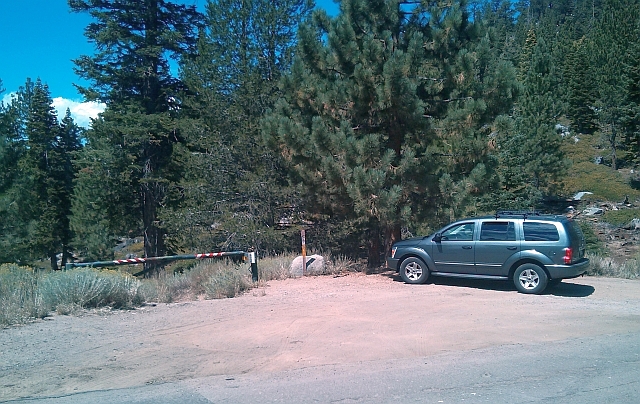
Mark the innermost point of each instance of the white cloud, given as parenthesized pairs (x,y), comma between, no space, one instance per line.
(81,112)
(6,99)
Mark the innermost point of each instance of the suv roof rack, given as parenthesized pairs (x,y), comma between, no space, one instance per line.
(525,214)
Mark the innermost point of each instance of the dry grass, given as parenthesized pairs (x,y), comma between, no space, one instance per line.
(19,301)
(207,279)
(26,295)
(612,268)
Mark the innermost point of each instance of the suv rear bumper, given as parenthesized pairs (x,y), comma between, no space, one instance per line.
(568,271)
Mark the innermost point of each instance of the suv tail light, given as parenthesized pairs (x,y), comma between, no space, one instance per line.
(393,252)
(568,254)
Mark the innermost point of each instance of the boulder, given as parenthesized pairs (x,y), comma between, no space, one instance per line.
(593,211)
(315,266)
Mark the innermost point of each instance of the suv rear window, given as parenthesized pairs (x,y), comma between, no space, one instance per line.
(534,231)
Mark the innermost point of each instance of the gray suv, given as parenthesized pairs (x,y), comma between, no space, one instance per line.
(531,249)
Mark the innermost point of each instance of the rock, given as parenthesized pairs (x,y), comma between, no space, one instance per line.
(315,266)
(593,211)
(634,225)
(581,195)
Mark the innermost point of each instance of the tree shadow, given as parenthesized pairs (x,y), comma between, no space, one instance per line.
(565,289)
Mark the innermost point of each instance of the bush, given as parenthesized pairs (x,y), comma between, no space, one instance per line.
(210,279)
(25,294)
(275,267)
(605,183)
(592,243)
(19,300)
(226,283)
(621,217)
(88,288)
(609,267)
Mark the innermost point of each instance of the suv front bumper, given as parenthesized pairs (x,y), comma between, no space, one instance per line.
(392,263)
(568,271)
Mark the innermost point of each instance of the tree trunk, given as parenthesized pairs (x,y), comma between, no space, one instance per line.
(614,162)
(153,237)
(65,256)
(392,234)
(373,258)
(54,261)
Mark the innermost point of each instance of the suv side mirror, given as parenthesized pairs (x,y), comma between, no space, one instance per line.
(437,237)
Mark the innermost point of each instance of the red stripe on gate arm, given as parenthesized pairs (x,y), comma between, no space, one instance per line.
(209,255)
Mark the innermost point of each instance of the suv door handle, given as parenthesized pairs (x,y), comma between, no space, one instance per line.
(512,248)
(466,247)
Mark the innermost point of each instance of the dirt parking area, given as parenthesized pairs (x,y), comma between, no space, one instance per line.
(299,323)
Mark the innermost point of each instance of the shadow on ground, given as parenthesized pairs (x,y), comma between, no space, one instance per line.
(569,288)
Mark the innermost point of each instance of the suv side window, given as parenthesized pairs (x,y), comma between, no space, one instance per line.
(534,231)
(498,231)
(461,232)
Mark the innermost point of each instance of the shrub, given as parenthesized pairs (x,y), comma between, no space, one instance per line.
(88,288)
(592,243)
(275,267)
(621,217)
(211,279)
(25,294)
(19,300)
(226,282)
(609,267)
(605,183)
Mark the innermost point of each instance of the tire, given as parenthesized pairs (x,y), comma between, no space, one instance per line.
(530,278)
(414,270)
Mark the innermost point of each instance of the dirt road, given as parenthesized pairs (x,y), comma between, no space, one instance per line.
(300,323)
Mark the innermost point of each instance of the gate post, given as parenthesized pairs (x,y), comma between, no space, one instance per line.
(254,266)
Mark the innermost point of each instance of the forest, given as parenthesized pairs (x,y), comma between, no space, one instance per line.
(236,127)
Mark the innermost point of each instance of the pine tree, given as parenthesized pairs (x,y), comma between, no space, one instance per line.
(131,73)
(68,146)
(581,97)
(632,110)
(614,30)
(233,192)
(384,114)
(42,190)
(13,144)
(532,160)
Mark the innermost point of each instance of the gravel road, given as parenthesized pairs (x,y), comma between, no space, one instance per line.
(303,323)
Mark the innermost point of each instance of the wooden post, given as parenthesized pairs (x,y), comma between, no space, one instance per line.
(304,252)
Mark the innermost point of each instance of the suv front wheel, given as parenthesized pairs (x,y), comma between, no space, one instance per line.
(530,278)
(414,270)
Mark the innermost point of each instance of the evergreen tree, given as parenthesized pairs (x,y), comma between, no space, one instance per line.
(67,147)
(616,28)
(384,114)
(102,205)
(632,112)
(41,191)
(131,73)
(499,17)
(13,144)
(233,192)
(532,160)
(581,97)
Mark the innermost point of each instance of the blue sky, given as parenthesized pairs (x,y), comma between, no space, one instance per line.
(40,38)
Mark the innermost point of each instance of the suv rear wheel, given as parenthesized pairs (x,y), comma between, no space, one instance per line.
(414,270)
(530,278)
